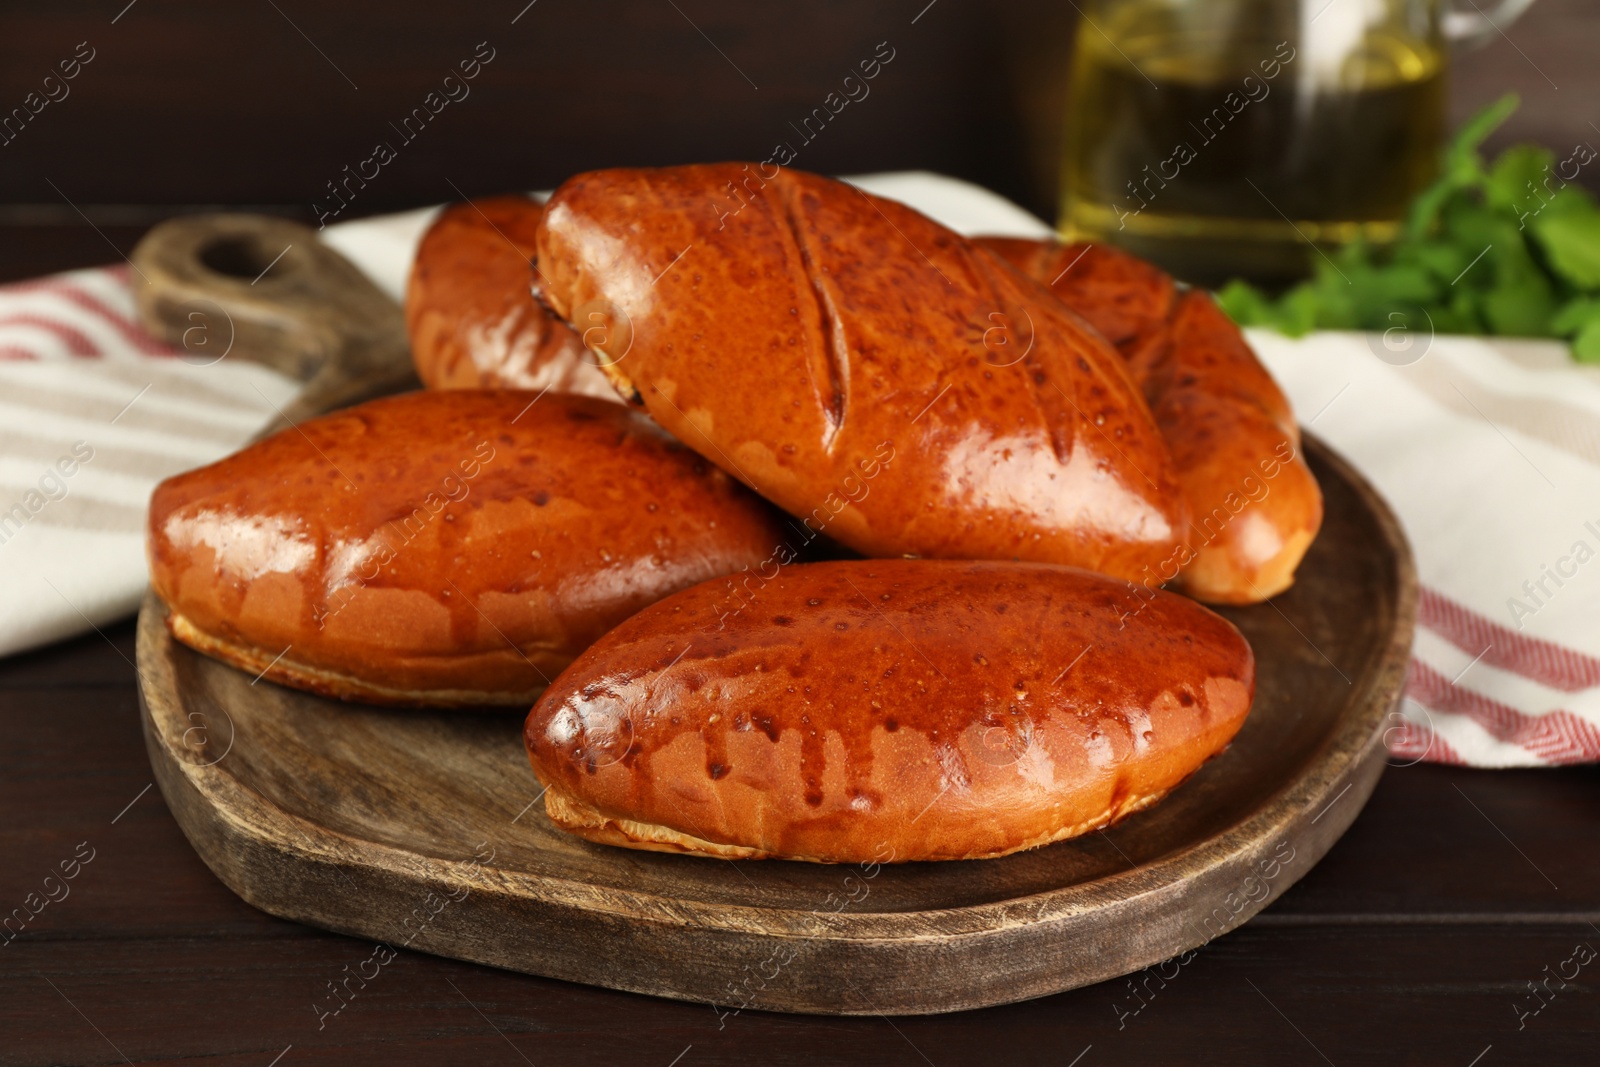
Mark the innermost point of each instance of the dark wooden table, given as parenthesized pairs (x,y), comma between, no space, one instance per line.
(1418,940)
(1415,941)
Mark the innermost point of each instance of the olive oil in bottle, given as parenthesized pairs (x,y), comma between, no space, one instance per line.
(1222,139)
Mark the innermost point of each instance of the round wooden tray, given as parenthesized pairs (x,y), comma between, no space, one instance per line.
(423,830)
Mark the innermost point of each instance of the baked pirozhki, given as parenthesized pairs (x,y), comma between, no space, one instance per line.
(441,548)
(868,370)
(1254,504)
(471,317)
(887,710)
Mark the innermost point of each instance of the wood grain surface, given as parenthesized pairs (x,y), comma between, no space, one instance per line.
(282,298)
(378,823)
(1409,943)
(186,103)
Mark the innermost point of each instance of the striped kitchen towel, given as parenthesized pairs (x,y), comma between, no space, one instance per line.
(93,412)
(1489,451)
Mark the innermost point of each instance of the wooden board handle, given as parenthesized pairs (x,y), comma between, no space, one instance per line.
(266,289)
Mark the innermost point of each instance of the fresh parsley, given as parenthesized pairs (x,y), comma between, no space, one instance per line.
(1510,247)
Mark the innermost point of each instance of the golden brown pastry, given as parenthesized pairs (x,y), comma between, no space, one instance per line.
(472,320)
(1128,300)
(1254,504)
(441,548)
(868,370)
(887,710)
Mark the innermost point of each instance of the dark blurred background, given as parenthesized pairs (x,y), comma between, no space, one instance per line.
(260,103)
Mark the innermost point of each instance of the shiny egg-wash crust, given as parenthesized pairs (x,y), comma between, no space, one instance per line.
(1255,506)
(887,710)
(803,347)
(471,322)
(283,670)
(442,547)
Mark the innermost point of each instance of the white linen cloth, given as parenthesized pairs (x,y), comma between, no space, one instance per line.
(1489,451)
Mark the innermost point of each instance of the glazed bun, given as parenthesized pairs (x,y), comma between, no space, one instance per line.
(441,548)
(805,336)
(885,711)
(469,311)
(1254,505)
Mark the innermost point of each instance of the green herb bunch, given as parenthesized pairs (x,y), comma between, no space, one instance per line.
(1509,248)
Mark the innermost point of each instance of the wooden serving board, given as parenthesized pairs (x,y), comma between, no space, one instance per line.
(424,830)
